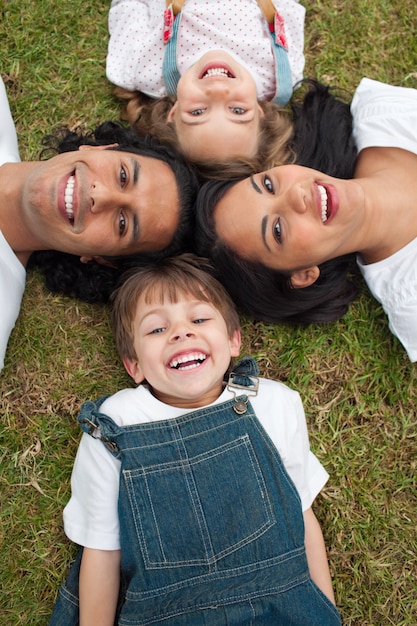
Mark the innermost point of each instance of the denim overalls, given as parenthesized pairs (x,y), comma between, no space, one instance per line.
(211,525)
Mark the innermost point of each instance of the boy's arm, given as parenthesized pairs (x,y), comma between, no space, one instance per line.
(316,554)
(99,586)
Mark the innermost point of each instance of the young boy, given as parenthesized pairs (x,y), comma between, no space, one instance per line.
(199,492)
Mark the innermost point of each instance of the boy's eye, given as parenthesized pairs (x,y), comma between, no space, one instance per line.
(200,320)
(238,110)
(123,176)
(277,231)
(197,112)
(122,224)
(268,184)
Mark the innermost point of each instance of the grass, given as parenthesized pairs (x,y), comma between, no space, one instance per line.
(358,388)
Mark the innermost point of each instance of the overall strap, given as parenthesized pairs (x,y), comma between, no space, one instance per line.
(170,73)
(279,46)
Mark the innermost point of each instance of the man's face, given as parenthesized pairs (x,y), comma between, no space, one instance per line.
(95,202)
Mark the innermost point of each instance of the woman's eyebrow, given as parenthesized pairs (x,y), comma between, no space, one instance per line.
(254,185)
(264,224)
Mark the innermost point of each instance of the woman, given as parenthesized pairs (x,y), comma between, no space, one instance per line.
(294,229)
(90,203)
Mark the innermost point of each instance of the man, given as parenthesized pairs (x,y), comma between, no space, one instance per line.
(105,198)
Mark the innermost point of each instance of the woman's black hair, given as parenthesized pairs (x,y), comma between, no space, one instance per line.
(322,140)
(93,282)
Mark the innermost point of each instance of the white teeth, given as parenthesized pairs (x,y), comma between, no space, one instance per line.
(217,71)
(193,360)
(323,196)
(68,197)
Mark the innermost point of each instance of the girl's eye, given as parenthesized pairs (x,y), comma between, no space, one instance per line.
(156,331)
(277,232)
(268,184)
(197,112)
(238,110)
(123,176)
(122,224)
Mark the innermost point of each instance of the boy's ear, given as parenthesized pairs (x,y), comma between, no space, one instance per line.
(234,343)
(304,278)
(171,113)
(133,369)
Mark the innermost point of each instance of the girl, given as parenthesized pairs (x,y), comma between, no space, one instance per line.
(215,65)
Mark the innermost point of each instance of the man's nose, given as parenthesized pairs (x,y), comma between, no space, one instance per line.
(103,199)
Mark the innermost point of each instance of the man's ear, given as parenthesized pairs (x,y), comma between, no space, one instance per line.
(304,278)
(86,147)
(171,113)
(234,343)
(98,259)
(133,369)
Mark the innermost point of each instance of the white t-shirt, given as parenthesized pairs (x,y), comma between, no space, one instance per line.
(12,272)
(136,48)
(386,116)
(90,517)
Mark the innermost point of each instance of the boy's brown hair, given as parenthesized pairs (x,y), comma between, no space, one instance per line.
(167,280)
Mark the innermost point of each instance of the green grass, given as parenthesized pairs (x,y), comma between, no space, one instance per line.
(358,388)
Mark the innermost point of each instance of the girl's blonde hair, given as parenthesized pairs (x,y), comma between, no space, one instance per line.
(148,115)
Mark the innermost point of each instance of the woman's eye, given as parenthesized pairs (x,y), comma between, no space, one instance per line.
(123,176)
(238,110)
(277,232)
(197,112)
(122,224)
(268,184)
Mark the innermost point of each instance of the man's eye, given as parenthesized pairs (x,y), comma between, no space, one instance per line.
(122,224)
(277,231)
(238,110)
(197,112)
(268,184)
(123,176)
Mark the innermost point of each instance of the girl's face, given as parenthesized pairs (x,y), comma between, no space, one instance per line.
(217,114)
(291,218)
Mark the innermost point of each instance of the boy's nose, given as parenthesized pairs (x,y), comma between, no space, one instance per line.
(181,332)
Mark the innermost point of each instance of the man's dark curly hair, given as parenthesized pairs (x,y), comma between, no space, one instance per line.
(92,282)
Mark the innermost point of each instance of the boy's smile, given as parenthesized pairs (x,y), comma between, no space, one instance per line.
(183,350)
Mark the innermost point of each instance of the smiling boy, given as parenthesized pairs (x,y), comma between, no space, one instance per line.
(201,494)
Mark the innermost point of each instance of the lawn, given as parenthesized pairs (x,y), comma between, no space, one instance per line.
(358,388)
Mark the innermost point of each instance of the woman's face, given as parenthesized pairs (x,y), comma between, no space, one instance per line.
(290,218)
(100,202)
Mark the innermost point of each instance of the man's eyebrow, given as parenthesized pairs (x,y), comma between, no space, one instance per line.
(254,185)
(136,172)
(263,231)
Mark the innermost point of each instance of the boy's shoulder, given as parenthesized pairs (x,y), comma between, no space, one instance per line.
(275,390)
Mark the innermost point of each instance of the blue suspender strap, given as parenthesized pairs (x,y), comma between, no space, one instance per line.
(170,71)
(282,65)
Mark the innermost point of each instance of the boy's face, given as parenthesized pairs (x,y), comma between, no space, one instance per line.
(217,114)
(183,350)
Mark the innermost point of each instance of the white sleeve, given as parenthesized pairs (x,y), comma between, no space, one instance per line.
(134,25)
(384,116)
(9,151)
(91,516)
(302,465)
(280,411)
